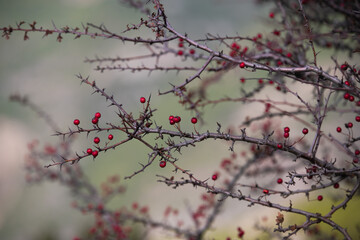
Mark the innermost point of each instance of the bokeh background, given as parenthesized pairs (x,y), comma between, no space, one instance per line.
(44,70)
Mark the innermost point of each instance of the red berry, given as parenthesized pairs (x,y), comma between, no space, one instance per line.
(344,67)
(192,51)
(286,135)
(95,153)
(110,137)
(271,15)
(289,55)
(194,120)
(242,80)
(336,185)
(279,181)
(162,164)
(338,129)
(261,81)
(355,160)
(320,198)
(180,53)
(346,96)
(286,129)
(180,44)
(172,122)
(95,120)
(347,83)
(350,125)
(357,152)
(76,122)
(279,146)
(98,115)
(357,118)
(177,119)
(276,32)
(305,131)
(171,117)
(142,100)
(89,151)
(265,191)
(96,140)
(351,98)
(242,65)
(214,177)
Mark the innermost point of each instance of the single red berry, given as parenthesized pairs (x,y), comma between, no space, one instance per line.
(95,120)
(142,100)
(181,40)
(320,198)
(346,96)
(276,32)
(355,160)
(76,122)
(171,117)
(357,152)
(344,67)
(214,177)
(286,129)
(265,191)
(305,131)
(242,80)
(192,51)
(162,164)
(259,36)
(194,120)
(351,98)
(286,134)
(271,15)
(350,125)
(338,129)
(357,118)
(172,122)
(110,137)
(289,55)
(279,146)
(180,44)
(98,115)
(95,153)
(180,53)
(336,185)
(347,83)
(261,81)
(96,140)
(279,63)
(279,181)
(242,65)
(89,151)
(271,82)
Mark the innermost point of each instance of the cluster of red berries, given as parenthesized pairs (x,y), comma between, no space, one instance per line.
(177,119)
(96,140)
(240,232)
(181,45)
(286,132)
(173,120)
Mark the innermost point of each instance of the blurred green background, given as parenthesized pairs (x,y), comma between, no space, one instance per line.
(44,70)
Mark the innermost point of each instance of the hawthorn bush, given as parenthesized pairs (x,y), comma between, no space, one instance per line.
(295,144)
